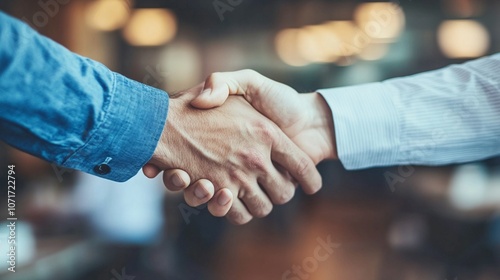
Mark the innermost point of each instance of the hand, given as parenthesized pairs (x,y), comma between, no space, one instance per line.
(305,118)
(233,146)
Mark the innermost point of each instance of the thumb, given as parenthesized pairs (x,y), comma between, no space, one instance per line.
(218,86)
(213,95)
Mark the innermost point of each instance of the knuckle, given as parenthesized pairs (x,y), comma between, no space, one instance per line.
(264,210)
(214,76)
(254,160)
(214,79)
(284,196)
(250,73)
(237,175)
(238,218)
(258,86)
(247,193)
(303,167)
(257,204)
(264,130)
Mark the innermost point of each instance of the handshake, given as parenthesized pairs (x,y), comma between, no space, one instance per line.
(244,153)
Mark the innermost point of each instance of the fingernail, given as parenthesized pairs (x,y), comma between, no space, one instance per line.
(223,200)
(177,181)
(200,192)
(206,91)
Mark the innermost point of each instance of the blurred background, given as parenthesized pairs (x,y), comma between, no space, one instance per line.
(399,223)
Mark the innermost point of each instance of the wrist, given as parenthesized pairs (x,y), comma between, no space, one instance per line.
(161,152)
(321,121)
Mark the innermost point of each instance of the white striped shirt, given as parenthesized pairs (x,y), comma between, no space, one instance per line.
(439,117)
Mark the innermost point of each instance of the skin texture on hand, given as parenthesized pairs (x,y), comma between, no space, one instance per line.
(305,118)
(234,147)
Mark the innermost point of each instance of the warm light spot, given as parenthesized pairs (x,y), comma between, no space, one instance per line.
(286,47)
(380,20)
(315,44)
(340,41)
(350,39)
(107,15)
(463,39)
(150,27)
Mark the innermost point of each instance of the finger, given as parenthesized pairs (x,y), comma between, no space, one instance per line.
(238,214)
(199,192)
(280,187)
(176,179)
(264,94)
(297,163)
(150,170)
(221,203)
(284,173)
(218,86)
(256,200)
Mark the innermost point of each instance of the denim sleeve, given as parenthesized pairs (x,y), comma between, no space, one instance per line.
(450,115)
(72,111)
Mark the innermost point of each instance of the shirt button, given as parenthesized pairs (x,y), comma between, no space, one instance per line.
(102,169)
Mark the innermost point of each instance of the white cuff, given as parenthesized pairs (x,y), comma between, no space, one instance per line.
(366,124)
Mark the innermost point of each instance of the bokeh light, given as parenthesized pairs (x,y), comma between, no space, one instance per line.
(383,21)
(150,27)
(350,41)
(107,15)
(374,51)
(463,39)
(315,44)
(339,41)
(287,47)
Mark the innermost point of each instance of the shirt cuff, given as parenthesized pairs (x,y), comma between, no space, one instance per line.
(366,124)
(124,141)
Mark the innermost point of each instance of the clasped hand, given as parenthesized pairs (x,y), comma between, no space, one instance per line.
(243,153)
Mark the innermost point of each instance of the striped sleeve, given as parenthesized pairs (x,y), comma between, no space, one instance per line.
(445,116)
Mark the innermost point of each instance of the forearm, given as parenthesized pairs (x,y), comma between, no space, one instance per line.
(71,110)
(439,117)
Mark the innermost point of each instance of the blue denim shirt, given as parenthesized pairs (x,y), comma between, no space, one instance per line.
(73,111)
